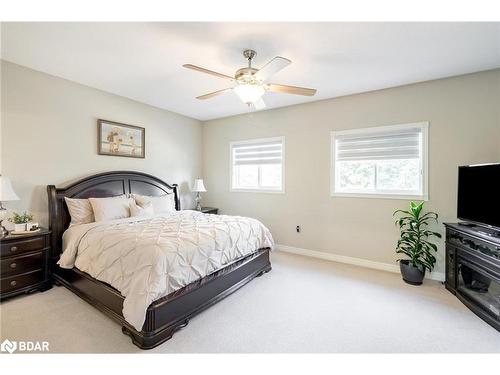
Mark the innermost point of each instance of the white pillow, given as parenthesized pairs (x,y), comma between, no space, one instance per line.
(80,211)
(162,204)
(110,208)
(136,210)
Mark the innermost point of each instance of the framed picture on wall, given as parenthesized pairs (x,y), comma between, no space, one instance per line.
(118,139)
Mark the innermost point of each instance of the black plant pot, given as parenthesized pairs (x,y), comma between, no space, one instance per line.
(411,275)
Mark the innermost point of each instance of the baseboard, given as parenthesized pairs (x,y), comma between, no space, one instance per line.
(438,276)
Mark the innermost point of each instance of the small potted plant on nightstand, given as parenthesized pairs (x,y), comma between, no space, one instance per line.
(414,243)
(20,221)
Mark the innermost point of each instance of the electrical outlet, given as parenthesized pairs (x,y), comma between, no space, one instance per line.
(297,228)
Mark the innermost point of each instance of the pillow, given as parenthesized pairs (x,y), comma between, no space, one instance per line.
(136,210)
(164,203)
(110,208)
(80,211)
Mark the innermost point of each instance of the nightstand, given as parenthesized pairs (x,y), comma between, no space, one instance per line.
(24,260)
(210,210)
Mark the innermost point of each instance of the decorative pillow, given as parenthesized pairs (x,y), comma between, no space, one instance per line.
(161,204)
(136,210)
(110,208)
(80,211)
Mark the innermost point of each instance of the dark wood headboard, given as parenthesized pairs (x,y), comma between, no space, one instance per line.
(101,185)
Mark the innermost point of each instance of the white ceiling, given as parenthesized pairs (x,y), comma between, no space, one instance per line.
(143,61)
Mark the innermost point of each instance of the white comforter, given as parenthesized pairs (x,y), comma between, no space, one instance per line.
(148,258)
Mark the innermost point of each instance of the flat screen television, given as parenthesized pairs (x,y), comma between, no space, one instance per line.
(479,194)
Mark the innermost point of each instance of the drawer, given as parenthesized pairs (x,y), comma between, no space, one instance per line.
(8,284)
(22,246)
(22,264)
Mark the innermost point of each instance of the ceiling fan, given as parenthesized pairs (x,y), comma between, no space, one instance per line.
(251,83)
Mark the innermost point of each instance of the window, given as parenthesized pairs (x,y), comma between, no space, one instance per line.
(388,161)
(258,165)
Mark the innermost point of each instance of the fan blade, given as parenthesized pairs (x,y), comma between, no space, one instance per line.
(212,94)
(207,71)
(259,104)
(290,89)
(272,67)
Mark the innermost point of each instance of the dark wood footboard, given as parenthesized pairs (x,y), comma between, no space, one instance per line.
(172,312)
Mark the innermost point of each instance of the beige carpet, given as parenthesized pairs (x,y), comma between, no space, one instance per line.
(302,305)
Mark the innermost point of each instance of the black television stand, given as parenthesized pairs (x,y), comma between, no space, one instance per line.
(473,269)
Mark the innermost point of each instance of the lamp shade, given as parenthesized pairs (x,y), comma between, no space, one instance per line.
(7,193)
(198,186)
(249,93)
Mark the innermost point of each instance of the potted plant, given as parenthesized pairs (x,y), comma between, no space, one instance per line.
(414,243)
(20,221)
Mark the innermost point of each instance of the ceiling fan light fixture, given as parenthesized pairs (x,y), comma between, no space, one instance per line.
(249,93)
(250,84)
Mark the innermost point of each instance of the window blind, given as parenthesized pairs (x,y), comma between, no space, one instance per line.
(269,152)
(395,144)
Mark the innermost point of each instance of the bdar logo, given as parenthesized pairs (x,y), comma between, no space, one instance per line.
(8,346)
(24,346)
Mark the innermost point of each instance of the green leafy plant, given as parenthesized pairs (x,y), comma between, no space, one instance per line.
(21,219)
(414,241)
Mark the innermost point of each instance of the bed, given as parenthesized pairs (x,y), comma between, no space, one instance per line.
(169,313)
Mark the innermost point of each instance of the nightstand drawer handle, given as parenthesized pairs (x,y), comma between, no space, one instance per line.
(13,248)
(13,265)
(13,283)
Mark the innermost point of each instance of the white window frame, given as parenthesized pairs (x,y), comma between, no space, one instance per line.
(423,194)
(257,190)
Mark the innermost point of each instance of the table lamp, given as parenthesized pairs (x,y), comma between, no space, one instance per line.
(198,188)
(7,193)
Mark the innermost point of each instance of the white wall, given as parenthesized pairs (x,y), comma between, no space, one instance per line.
(464,128)
(49,136)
